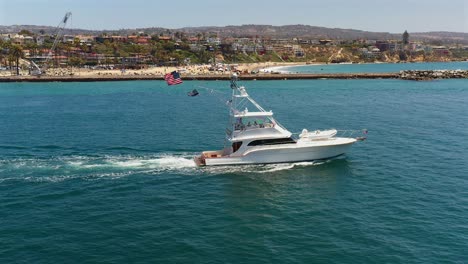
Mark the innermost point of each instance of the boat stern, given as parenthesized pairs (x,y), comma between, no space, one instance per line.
(199,160)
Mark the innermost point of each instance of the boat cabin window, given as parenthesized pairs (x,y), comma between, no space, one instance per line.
(236,146)
(276,141)
(253,122)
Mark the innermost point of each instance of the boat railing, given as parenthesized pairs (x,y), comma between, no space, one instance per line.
(352,133)
(242,127)
(346,133)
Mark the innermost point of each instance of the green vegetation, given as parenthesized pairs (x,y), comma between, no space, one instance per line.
(406,38)
(16,53)
(460,54)
(139,50)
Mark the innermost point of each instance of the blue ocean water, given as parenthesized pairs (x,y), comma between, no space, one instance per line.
(102,173)
(374,67)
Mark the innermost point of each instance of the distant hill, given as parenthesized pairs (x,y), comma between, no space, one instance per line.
(46,29)
(443,36)
(289,31)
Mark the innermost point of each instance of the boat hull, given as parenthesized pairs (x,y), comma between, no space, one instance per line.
(285,154)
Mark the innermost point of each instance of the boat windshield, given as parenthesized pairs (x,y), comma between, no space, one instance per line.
(245,123)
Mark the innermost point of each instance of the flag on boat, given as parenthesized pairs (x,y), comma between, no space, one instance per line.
(193,93)
(173,78)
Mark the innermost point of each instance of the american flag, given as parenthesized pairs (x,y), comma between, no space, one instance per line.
(173,78)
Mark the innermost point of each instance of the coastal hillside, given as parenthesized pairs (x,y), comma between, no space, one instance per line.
(287,31)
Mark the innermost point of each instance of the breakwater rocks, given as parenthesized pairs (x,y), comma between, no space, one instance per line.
(433,74)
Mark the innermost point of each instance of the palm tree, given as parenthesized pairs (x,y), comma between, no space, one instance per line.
(33,49)
(115,52)
(2,55)
(17,52)
(10,60)
(1,58)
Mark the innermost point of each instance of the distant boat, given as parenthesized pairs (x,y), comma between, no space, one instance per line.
(255,137)
(193,93)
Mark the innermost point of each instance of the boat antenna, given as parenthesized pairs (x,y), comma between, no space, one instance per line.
(234,79)
(219,95)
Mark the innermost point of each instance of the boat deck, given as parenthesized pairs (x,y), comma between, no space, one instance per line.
(199,160)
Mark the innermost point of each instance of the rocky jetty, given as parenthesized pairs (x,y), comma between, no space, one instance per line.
(424,75)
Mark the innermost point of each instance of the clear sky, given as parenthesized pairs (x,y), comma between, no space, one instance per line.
(381,16)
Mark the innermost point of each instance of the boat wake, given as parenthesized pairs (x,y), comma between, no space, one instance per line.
(281,167)
(90,167)
(260,168)
(156,163)
(56,169)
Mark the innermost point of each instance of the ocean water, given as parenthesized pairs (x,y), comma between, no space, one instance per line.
(102,173)
(373,67)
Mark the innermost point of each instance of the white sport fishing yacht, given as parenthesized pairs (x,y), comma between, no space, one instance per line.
(255,137)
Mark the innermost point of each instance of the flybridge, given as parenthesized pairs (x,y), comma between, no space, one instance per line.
(253,114)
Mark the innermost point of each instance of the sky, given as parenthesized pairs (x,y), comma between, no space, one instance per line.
(393,16)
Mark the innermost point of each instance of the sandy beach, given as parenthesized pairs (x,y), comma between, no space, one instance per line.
(192,70)
(250,71)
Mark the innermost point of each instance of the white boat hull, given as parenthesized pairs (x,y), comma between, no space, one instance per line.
(287,153)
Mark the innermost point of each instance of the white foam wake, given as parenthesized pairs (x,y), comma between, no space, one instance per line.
(260,169)
(71,167)
(61,168)
(289,166)
(163,162)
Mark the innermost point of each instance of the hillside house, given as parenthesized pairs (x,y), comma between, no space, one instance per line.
(22,40)
(440,51)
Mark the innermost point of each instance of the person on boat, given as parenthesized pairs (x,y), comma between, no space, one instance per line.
(239,125)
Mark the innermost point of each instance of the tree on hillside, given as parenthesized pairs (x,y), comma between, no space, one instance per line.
(16,52)
(33,48)
(403,55)
(4,51)
(405,38)
(76,61)
(2,56)
(199,37)
(25,32)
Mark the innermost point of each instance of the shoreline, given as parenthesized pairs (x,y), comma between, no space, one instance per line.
(218,77)
(415,75)
(280,68)
(246,71)
(192,70)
